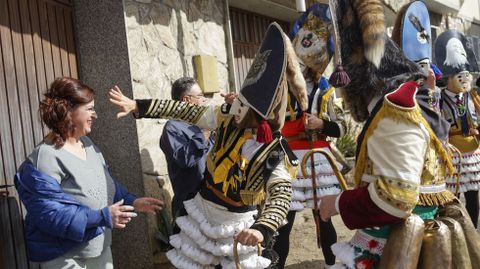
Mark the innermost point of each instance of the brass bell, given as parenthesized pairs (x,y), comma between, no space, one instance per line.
(460,257)
(436,246)
(402,249)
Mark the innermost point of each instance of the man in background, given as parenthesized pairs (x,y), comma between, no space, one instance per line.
(185,146)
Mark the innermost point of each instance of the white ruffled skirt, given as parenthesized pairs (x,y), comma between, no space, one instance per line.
(470,172)
(206,238)
(326,181)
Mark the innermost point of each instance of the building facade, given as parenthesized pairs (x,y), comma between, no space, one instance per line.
(142,46)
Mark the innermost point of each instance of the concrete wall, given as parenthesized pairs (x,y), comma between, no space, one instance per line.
(467,19)
(103,62)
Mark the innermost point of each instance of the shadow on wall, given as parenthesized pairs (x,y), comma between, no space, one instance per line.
(160,224)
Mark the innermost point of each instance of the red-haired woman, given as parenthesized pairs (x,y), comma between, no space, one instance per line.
(72,200)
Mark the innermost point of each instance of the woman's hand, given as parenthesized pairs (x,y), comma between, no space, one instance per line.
(125,104)
(249,237)
(312,122)
(327,207)
(229,97)
(147,205)
(121,214)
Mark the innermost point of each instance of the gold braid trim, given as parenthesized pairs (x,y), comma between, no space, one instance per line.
(171,109)
(399,114)
(276,207)
(436,199)
(252,197)
(324,105)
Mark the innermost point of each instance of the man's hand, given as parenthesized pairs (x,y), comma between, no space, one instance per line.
(327,207)
(312,122)
(147,205)
(124,104)
(229,97)
(206,134)
(249,237)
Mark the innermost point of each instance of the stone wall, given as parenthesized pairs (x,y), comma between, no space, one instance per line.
(163,36)
(395,5)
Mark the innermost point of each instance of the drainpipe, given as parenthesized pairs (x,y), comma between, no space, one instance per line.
(230,57)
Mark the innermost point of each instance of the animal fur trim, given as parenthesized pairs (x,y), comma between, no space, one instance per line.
(372,24)
(295,77)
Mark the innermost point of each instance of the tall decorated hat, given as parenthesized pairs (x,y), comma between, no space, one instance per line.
(412,32)
(312,37)
(265,88)
(454,53)
(368,63)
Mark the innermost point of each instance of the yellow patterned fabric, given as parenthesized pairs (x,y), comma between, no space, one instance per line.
(325,100)
(253,193)
(226,153)
(433,191)
(464,143)
(226,157)
(224,164)
(406,172)
(394,195)
(400,114)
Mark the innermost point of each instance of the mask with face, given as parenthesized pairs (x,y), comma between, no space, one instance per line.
(239,110)
(461,82)
(425,65)
(312,38)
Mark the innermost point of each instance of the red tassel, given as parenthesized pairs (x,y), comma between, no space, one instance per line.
(339,77)
(264,132)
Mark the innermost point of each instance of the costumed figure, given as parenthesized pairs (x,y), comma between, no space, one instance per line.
(244,168)
(401,163)
(306,130)
(412,32)
(460,106)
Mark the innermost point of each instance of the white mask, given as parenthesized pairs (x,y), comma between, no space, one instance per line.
(461,82)
(425,65)
(238,110)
